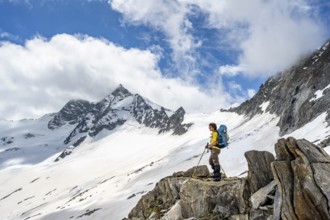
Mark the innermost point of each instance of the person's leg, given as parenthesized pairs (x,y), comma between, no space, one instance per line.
(211,161)
(215,159)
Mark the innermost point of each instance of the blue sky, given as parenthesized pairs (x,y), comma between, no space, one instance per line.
(202,55)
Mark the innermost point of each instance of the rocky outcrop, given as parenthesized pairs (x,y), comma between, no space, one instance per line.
(297,95)
(259,174)
(181,197)
(294,186)
(302,173)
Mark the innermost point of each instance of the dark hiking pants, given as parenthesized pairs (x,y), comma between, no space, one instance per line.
(214,162)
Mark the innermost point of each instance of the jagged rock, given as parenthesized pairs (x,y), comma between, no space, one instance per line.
(71,113)
(121,92)
(291,94)
(260,197)
(175,123)
(285,150)
(284,178)
(259,174)
(321,177)
(185,197)
(199,171)
(224,199)
(163,196)
(302,179)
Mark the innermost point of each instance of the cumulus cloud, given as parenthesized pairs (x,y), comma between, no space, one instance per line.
(229,70)
(269,35)
(42,75)
(171,18)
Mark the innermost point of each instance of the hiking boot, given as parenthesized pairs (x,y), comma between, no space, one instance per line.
(217,177)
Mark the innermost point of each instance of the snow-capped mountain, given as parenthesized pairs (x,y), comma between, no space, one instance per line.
(297,95)
(113,111)
(79,119)
(127,144)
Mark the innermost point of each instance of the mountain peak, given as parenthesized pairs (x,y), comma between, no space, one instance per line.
(121,91)
(114,110)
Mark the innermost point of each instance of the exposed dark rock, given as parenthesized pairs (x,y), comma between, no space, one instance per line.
(88,212)
(291,94)
(71,113)
(7,140)
(28,135)
(175,123)
(325,143)
(259,174)
(121,92)
(35,180)
(142,168)
(70,149)
(5,197)
(12,149)
(131,196)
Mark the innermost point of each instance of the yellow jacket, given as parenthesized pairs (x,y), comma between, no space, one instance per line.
(214,139)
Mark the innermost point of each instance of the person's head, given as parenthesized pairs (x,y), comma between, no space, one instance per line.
(212,127)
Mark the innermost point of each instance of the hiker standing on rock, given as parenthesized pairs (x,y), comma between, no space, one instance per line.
(215,151)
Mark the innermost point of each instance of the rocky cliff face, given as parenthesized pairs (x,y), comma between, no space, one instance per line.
(294,186)
(297,95)
(114,110)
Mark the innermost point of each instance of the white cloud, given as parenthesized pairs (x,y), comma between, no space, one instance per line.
(251,92)
(170,17)
(270,35)
(229,70)
(41,76)
(235,87)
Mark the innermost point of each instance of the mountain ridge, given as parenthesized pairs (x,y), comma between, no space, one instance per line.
(106,114)
(292,94)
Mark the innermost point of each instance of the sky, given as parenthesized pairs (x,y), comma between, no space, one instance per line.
(202,55)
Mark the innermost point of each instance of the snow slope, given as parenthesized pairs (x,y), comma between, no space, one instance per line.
(107,174)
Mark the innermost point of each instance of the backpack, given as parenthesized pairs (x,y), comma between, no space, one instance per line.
(223,137)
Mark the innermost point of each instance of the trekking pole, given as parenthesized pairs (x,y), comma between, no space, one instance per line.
(223,171)
(206,147)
